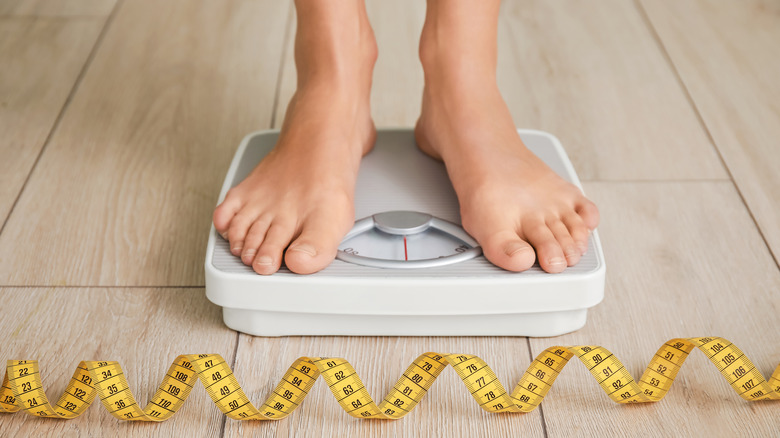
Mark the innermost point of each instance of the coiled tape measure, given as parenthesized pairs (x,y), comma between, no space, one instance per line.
(22,387)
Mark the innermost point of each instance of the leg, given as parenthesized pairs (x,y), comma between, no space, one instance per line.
(297,204)
(511,202)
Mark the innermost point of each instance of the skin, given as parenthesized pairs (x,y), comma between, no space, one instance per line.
(518,209)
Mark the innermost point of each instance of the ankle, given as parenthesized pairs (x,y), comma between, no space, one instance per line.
(342,57)
(455,60)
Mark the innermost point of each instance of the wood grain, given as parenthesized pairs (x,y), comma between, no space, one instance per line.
(143,329)
(287,79)
(447,410)
(41,60)
(56,7)
(140,155)
(592,74)
(684,259)
(728,56)
(125,189)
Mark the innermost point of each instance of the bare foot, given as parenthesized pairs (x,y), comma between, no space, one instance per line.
(297,204)
(516,207)
(511,202)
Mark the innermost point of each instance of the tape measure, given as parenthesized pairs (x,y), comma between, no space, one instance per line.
(22,388)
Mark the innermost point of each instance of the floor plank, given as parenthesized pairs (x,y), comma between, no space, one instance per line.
(592,74)
(125,189)
(729,59)
(287,79)
(139,157)
(143,329)
(447,410)
(684,259)
(56,7)
(41,61)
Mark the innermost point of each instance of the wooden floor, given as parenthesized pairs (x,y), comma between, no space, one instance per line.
(119,119)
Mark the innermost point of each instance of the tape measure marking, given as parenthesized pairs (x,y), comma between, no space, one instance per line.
(22,388)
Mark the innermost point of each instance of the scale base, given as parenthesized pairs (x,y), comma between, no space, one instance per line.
(274,324)
(468,298)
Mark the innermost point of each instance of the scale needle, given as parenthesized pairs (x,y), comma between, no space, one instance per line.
(406,254)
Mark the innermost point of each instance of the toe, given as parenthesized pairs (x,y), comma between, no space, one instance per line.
(548,250)
(254,238)
(316,246)
(570,250)
(589,214)
(239,227)
(507,250)
(224,213)
(578,231)
(269,255)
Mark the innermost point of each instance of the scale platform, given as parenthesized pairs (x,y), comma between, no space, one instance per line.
(467,297)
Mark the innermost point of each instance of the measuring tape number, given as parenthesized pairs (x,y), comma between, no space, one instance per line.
(22,388)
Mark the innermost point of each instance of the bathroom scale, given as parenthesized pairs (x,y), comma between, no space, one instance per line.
(407,268)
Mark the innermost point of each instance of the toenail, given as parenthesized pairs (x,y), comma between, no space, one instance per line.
(224,235)
(304,248)
(250,253)
(237,249)
(557,261)
(572,252)
(516,247)
(264,260)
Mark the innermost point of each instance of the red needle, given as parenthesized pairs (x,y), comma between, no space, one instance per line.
(406,255)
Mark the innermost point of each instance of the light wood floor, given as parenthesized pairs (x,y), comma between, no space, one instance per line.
(118,120)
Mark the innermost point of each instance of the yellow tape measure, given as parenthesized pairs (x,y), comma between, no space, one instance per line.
(22,388)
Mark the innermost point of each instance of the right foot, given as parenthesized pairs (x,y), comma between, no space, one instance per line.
(299,200)
(297,204)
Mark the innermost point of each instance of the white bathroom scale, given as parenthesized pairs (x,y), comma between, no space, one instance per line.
(407,268)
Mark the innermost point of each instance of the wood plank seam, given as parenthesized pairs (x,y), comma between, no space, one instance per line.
(703,124)
(232,366)
(541,408)
(64,108)
(282,60)
(272,124)
(683,87)
(71,286)
(53,17)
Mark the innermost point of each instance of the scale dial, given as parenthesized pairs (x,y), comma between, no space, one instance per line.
(406,239)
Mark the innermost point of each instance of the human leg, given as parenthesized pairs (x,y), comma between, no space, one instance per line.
(511,202)
(297,204)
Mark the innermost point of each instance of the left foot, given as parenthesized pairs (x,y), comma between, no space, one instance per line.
(516,207)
